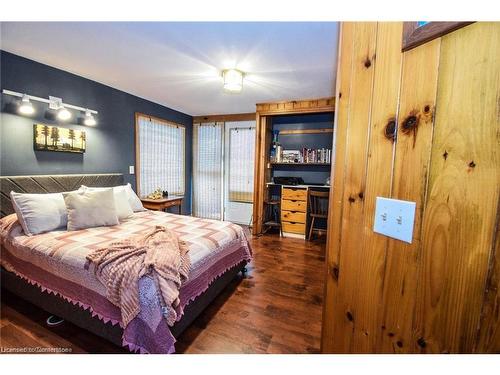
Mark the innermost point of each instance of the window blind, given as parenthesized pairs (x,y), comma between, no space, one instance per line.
(161,153)
(241,163)
(207,170)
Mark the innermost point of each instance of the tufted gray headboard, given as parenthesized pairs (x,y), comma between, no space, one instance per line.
(51,184)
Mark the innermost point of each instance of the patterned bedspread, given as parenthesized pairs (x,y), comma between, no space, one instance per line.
(55,261)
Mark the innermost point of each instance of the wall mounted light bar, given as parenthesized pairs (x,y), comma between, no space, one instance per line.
(54,103)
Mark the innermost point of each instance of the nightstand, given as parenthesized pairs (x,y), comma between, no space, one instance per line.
(162,204)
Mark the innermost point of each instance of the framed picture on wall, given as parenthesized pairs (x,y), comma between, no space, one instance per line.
(54,138)
(420,32)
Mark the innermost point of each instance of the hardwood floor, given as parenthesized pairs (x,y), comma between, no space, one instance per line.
(276,308)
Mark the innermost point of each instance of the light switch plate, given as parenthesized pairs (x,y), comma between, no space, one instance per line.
(394,218)
(131,169)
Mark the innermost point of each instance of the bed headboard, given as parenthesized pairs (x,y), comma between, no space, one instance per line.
(51,184)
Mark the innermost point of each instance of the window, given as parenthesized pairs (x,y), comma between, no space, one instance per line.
(241,162)
(207,170)
(160,155)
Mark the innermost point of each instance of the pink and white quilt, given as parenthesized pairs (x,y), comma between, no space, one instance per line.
(56,262)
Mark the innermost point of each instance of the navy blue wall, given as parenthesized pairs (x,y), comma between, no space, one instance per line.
(110,144)
(310,173)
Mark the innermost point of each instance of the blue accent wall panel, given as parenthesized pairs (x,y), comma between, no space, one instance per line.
(110,144)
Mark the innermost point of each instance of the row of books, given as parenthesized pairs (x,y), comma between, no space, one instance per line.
(321,155)
(307,155)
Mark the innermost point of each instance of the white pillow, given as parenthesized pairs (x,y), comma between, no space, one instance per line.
(89,209)
(39,213)
(133,199)
(122,205)
(123,209)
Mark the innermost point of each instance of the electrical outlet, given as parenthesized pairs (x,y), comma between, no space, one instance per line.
(394,218)
(131,169)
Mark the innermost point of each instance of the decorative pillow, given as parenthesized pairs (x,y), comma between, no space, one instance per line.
(89,209)
(122,204)
(133,199)
(39,213)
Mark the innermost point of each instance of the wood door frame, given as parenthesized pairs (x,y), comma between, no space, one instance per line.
(263,138)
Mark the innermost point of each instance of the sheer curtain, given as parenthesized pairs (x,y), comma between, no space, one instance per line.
(207,170)
(161,151)
(241,162)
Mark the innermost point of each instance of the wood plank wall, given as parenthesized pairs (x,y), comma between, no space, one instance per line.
(422,125)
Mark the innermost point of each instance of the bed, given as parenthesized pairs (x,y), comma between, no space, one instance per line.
(50,269)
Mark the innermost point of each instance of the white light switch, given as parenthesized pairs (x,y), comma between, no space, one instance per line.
(394,218)
(131,169)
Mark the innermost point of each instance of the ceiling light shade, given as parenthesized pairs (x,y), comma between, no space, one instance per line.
(233,80)
(26,107)
(89,119)
(63,114)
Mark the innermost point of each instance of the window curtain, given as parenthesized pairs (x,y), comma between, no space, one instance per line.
(161,153)
(241,163)
(207,170)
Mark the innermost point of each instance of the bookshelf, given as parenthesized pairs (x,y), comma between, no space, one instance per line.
(299,164)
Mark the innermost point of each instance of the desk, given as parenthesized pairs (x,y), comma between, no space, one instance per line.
(162,204)
(294,208)
(303,186)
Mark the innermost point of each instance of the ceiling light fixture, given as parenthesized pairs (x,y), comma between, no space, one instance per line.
(233,80)
(26,107)
(89,118)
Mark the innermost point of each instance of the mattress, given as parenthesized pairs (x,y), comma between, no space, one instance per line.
(56,262)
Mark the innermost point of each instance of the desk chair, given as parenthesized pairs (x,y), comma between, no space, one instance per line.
(318,208)
(272,212)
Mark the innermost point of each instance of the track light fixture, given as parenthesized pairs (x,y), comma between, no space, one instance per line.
(26,107)
(55,103)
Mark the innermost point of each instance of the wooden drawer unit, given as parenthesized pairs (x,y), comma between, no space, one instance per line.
(293,210)
(291,227)
(295,194)
(294,216)
(287,205)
